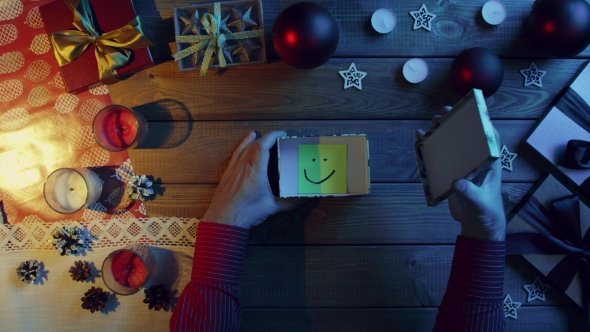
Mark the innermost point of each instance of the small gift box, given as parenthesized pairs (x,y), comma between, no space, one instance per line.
(568,119)
(95,40)
(219,35)
(549,228)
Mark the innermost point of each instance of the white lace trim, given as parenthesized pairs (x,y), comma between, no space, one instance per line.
(32,234)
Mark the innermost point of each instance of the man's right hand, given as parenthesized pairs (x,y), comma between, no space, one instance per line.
(477,203)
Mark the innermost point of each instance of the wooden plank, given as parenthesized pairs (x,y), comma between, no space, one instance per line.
(198,152)
(278,92)
(458,25)
(530,319)
(365,276)
(393,214)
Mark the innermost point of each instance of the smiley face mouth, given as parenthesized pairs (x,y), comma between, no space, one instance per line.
(329,176)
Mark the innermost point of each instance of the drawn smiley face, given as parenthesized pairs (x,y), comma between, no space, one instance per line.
(322,168)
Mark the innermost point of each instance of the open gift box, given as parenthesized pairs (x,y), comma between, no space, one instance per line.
(549,228)
(323,166)
(568,118)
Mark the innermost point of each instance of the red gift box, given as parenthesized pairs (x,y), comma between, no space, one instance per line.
(109,15)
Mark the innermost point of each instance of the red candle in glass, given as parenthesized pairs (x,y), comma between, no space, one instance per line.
(118,128)
(128,269)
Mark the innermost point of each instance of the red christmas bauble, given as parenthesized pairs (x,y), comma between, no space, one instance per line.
(477,68)
(559,28)
(305,35)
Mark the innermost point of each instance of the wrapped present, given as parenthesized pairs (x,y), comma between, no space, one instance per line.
(549,228)
(95,40)
(567,121)
(219,35)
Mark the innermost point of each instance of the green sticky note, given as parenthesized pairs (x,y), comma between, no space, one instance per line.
(322,168)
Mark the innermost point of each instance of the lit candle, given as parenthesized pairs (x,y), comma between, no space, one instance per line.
(125,271)
(68,190)
(494,12)
(383,20)
(118,128)
(415,70)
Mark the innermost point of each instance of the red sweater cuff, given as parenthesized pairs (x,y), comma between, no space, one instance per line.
(477,273)
(219,253)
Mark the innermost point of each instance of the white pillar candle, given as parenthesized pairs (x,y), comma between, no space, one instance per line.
(383,20)
(494,12)
(68,190)
(415,70)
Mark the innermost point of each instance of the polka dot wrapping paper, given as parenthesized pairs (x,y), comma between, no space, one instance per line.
(42,127)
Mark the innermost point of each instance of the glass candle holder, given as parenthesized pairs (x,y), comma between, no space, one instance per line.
(68,190)
(117,128)
(126,270)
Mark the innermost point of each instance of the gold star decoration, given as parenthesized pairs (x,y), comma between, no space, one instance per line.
(223,25)
(190,23)
(245,48)
(227,51)
(242,21)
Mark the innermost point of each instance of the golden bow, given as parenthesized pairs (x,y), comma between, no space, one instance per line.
(212,40)
(111,48)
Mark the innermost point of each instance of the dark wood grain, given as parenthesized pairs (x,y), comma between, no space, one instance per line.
(365,276)
(278,92)
(458,25)
(393,214)
(198,152)
(530,319)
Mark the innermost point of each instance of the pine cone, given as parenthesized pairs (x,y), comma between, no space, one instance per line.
(94,299)
(28,271)
(80,271)
(67,240)
(157,297)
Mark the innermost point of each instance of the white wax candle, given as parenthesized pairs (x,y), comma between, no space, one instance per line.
(383,20)
(494,12)
(73,189)
(415,70)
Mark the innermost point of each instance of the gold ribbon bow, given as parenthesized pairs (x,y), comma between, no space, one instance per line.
(212,40)
(112,48)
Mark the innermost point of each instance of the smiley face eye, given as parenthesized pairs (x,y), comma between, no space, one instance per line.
(325,159)
(313,159)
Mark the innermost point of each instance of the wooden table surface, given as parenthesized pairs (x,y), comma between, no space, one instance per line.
(376,263)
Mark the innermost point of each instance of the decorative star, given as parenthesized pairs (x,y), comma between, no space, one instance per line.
(352,77)
(510,307)
(223,25)
(242,21)
(190,23)
(506,158)
(533,76)
(536,290)
(245,48)
(422,18)
(227,50)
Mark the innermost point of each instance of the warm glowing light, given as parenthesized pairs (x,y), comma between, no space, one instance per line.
(549,27)
(291,38)
(466,74)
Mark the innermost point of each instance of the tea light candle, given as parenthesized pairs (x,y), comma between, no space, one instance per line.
(68,190)
(415,70)
(494,12)
(118,128)
(383,20)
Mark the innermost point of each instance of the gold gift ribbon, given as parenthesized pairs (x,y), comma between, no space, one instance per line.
(112,48)
(212,40)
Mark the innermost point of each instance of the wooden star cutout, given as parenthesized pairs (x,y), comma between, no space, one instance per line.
(242,21)
(422,18)
(245,48)
(510,307)
(352,77)
(223,25)
(190,23)
(227,51)
(506,158)
(536,290)
(533,76)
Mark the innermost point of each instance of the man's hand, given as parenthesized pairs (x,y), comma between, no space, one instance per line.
(477,203)
(243,197)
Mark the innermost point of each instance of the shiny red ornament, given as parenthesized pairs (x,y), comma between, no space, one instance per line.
(477,68)
(305,35)
(559,28)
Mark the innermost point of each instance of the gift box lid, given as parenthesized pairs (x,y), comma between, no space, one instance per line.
(109,15)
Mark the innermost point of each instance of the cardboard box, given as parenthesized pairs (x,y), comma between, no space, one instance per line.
(567,118)
(323,166)
(256,57)
(537,208)
(464,142)
(110,15)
